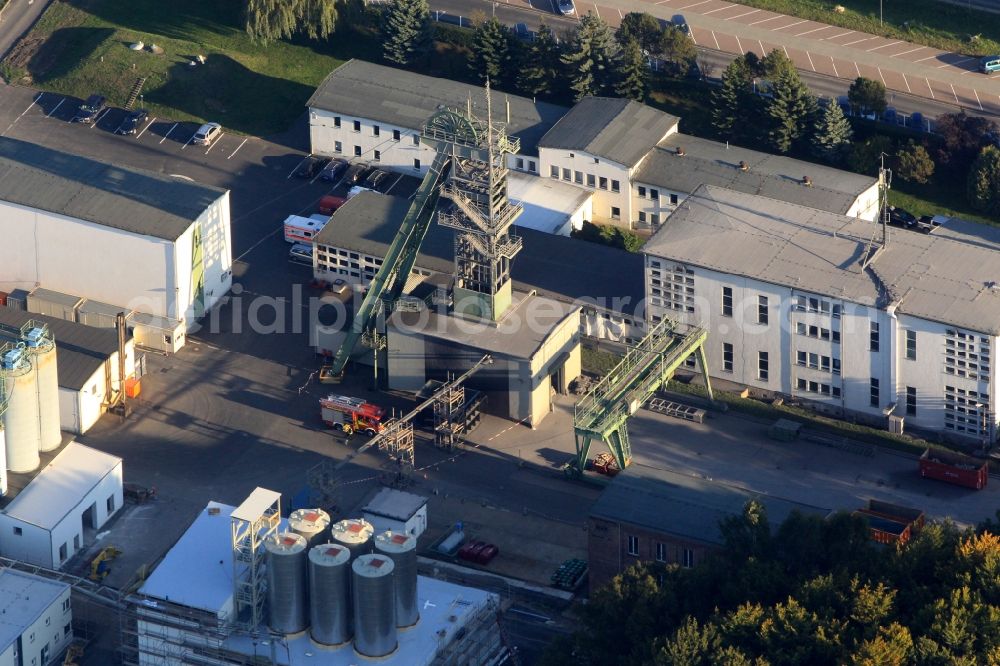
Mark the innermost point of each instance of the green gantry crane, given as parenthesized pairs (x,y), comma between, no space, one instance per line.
(603,413)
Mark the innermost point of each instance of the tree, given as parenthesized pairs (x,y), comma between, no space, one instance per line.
(984,181)
(677,50)
(268,20)
(407,31)
(831,133)
(962,137)
(643,28)
(734,102)
(915,163)
(791,109)
(634,72)
(542,73)
(865,157)
(491,51)
(773,64)
(592,58)
(867,96)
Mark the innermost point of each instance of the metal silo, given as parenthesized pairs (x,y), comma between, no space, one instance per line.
(354,533)
(287,584)
(330,594)
(374,598)
(402,550)
(42,348)
(309,523)
(21,419)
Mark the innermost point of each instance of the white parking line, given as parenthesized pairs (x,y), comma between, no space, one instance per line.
(237,149)
(929,87)
(857,69)
(876,48)
(56,107)
(785,50)
(620,15)
(36,99)
(696,4)
(693,38)
(896,55)
(98,118)
(214,143)
(843,34)
(956,63)
(977,99)
(292,172)
(188,142)
(810,61)
(172,128)
(733,18)
(792,24)
(739,44)
(145,128)
(834,67)
(858,41)
(770,18)
(822,27)
(717,9)
(954,94)
(907,84)
(716,40)
(927,58)
(388,189)
(762,51)
(880,75)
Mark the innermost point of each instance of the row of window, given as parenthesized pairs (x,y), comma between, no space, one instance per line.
(519,163)
(377,131)
(685,556)
(652,218)
(654,195)
(813,304)
(817,332)
(578,177)
(818,362)
(338,148)
(817,387)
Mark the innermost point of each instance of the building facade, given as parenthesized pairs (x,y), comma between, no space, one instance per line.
(37,619)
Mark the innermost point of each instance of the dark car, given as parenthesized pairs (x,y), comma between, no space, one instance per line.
(901,218)
(376,177)
(310,167)
(355,173)
(334,170)
(90,109)
(132,121)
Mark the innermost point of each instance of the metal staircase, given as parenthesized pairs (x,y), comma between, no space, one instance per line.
(134,93)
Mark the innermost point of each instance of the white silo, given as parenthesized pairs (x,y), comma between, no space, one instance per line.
(330,607)
(310,523)
(21,419)
(42,349)
(355,533)
(287,584)
(374,600)
(402,550)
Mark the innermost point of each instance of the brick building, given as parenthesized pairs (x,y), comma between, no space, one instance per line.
(649,514)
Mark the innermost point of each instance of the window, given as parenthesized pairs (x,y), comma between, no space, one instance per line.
(911,401)
(633,545)
(338,147)
(654,218)
(874,399)
(616,186)
(642,216)
(673,199)
(416,139)
(554,171)
(591,180)
(911,345)
(661,552)
(727,301)
(357,151)
(519,163)
(336,121)
(762,366)
(416,164)
(357,125)
(642,191)
(603,183)
(18,531)
(873,336)
(375,130)
(727,357)
(65,605)
(566,173)
(531,165)
(616,213)
(378,155)
(76,542)
(762,309)
(578,177)
(688,558)
(654,195)
(63,554)
(67,630)
(395,135)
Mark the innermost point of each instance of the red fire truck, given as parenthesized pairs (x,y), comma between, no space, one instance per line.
(351,414)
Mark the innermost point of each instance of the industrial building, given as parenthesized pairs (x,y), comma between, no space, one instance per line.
(654,515)
(87,366)
(136,239)
(35,619)
(890,326)
(628,160)
(334,603)
(396,511)
(47,518)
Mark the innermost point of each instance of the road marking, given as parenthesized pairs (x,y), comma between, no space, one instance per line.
(696,4)
(954,94)
(217,139)
(762,51)
(145,128)
(977,99)
(98,118)
(928,57)
(188,142)
(810,61)
(822,27)
(929,87)
(389,189)
(180,175)
(791,25)
(36,99)
(717,9)
(876,48)
(56,107)
(768,19)
(896,55)
(620,15)
(956,63)
(739,44)
(857,69)
(733,18)
(292,172)
(880,75)
(254,246)
(785,50)
(168,132)
(834,67)
(237,149)
(858,41)
(717,48)
(907,84)
(843,34)
(693,38)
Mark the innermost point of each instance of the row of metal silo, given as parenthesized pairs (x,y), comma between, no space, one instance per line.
(344,584)
(29,380)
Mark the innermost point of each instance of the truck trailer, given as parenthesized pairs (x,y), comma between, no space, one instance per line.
(954,468)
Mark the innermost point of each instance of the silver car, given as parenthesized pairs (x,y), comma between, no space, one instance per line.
(207,133)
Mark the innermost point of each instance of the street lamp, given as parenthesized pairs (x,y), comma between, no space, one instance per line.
(985,428)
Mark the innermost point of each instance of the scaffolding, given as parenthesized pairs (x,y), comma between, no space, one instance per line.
(253,521)
(479,643)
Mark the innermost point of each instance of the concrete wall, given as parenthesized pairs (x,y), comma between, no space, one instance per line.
(587,165)
(866,205)
(80,410)
(48,635)
(32,545)
(415,526)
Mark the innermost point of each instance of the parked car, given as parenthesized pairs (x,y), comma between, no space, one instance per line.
(301,253)
(329,204)
(334,170)
(90,109)
(375,177)
(566,7)
(311,166)
(206,134)
(681,23)
(470,551)
(132,121)
(899,217)
(521,31)
(355,173)
(487,553)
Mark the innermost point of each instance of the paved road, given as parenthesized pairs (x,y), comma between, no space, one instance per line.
(15,20)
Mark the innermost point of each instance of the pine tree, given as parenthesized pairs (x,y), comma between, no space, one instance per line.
(984,181)
(268,20)
(642,27)
(491,52)
(542,73)
(407,31)
(634,72)
(831,133)
(867,96)
(915,163)
(791,109)
(592,58)
(731,100)
(677,50)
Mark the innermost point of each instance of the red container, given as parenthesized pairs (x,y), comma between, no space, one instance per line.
(954,468)
(133,387)
(3,299)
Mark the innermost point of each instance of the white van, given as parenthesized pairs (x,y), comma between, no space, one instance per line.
(303,229)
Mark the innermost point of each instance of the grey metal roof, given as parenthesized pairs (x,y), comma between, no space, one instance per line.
(24,598)
(54,297)
(395,504)
(945,276)
(133,200)
(683,505)
(713,163)
(558,267)
(620,130)
(405,99)
(80,350)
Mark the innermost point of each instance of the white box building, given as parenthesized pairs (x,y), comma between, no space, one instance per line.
(61,509)
(398,511)
(801,302)
(136,239)
(36,619)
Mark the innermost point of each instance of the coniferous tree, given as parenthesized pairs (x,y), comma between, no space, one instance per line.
(407,31)
(542,73)
(734,101)
(268,20)
(867,96)
(915,163)
(491,51)
(791,109)
(832,133)
(984,181)
(634,72)
(642,27)
(592,58)
(677,50)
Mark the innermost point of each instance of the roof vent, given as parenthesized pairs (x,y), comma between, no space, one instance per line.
(680,152)
(807,181)
(993,286)
(744,166)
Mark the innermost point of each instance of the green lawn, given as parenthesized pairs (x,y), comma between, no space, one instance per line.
(931,22)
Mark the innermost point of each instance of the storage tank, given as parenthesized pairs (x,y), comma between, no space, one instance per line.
(330,594)
(287,584)
(310,524)
(402,550)
(355,533)
(42,348)
(374,598)
(21,419)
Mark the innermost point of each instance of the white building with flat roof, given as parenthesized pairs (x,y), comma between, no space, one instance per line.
(36,619)
(811,304)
